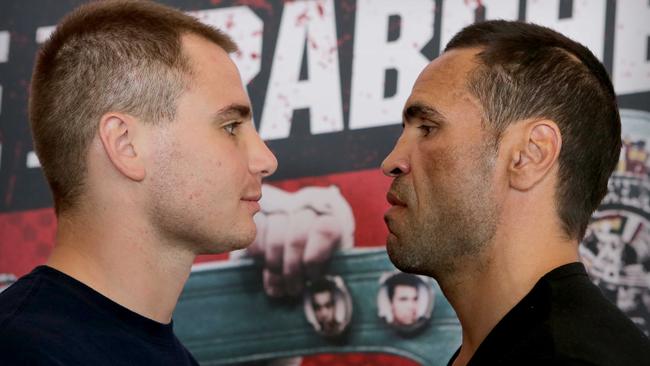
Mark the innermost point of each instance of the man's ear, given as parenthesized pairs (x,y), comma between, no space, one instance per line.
(116,131)
(534,154)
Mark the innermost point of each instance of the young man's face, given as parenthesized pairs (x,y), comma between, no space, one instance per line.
(323,303)
(405,305)
(443,209)
(209,163)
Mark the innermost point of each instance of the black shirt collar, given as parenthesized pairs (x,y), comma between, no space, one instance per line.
(521,319)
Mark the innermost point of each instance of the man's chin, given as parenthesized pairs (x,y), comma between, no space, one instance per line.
(395,250)
(236,241)
(244,235)
(244,241)
(401,256)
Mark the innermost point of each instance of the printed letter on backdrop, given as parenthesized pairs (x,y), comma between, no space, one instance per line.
(631,72)
(307,30)
(584,21)
(374,54)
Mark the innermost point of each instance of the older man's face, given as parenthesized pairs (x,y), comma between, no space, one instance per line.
(443,208)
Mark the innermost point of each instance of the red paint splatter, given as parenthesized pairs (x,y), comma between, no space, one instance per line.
(215,2)
(346,37)
(257,33)
(320,9)
(254,55)
(229,22)
(313,43)
(284,99)
(304,17)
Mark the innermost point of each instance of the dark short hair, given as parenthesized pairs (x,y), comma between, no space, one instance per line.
(323,284)
(529,71)
(401,279)
(106,56)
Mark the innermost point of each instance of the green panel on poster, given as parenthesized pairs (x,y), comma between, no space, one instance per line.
(224,317)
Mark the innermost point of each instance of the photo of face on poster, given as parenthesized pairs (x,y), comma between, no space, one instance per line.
(405,301)
(328,306)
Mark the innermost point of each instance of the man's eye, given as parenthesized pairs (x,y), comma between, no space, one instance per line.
(426,130)
(231,127)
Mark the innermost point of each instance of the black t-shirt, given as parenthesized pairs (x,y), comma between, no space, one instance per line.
(564,320)
(49,318)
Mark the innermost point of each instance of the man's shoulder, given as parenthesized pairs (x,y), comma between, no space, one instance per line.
(52,319)
(576,303)
(29,324)
(35,297)
(584,325)
(19,298)
(32,346)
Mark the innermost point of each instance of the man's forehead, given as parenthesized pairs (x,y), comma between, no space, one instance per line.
(207,59)
(451,68)
(323,294)
(215,75)
(444,82)
(404,287)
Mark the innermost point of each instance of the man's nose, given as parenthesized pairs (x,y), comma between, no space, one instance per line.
(397,162)
(262,160)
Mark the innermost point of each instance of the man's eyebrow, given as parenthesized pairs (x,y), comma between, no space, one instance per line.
(232,111)
(423,111)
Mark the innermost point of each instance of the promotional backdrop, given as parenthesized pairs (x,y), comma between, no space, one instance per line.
(327,80)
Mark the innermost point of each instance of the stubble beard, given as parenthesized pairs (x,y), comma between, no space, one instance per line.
(452,234)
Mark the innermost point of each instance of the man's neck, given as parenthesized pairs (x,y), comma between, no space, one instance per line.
(507,271)
(127,265)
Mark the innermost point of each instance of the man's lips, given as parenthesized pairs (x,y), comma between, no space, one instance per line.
(254,197)
(252,200)
(393,200)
